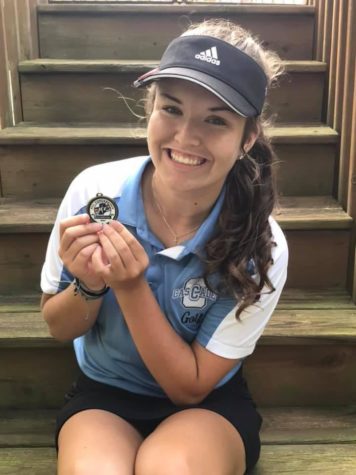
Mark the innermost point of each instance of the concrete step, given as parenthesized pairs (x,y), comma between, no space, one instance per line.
(130,31)
(305,165)
(58,91)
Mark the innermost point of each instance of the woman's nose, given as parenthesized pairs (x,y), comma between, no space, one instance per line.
(187,134)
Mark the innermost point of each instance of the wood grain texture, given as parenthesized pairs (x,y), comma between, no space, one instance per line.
(129,31)
(54,92)
(293,213)
(70,133)
(281,425)
(317,375)
(26,328)
(307,459)
(45,171)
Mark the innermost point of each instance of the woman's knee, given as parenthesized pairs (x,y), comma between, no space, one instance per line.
(166,459)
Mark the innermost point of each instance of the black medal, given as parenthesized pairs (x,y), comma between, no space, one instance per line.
(102,209)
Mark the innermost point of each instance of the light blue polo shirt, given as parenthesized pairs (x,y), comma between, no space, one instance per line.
(107,353)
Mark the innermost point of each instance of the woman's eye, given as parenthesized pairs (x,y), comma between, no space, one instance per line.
(216,121)
(171,109)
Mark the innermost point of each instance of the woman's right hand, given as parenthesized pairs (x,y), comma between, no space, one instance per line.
(78,240)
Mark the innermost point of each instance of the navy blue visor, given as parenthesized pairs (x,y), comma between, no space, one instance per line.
(226,71)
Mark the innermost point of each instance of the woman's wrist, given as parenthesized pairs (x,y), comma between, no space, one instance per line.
(87,292)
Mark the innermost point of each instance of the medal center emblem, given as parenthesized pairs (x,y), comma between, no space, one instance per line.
(102,209)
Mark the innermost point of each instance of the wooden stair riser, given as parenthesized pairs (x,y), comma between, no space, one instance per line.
(281,425)
(131,31)
(92,97)
(317,259)
(277,375)
(46,170)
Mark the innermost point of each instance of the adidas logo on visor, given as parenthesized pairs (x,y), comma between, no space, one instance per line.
(210,56)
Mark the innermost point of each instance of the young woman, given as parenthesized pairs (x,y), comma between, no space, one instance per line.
(165,302)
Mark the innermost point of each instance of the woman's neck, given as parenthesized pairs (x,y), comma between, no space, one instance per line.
(173,216)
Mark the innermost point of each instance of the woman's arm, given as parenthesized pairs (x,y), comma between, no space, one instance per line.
(68,315)
(187,373)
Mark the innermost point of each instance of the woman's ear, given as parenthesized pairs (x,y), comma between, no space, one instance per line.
(251,133)
(250,142)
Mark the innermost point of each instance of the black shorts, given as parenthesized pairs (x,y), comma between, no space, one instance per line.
(232,400)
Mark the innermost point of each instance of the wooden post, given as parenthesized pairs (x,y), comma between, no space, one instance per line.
(18,41)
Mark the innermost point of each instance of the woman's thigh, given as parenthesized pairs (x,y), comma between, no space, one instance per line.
(96,441)
(192,442)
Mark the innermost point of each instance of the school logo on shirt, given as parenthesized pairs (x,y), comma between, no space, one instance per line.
(194,294)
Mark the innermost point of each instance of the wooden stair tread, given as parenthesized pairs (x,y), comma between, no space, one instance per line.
(315,212)
(38,461)
(282,425)
(29,133)
(44,65)
(21,323)
(275,459)
(204,8)
(333,298)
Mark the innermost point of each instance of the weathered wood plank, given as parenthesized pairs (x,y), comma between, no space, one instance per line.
(46,170)
(28,133)
(309,375)
(130,31)
(21,461)
(21,260)
(293,213)
(36,378)
(49,65)
(317,258)
(54,92)
(309,326)
(317,375)
(308,425)
(307,459)
(293,327)
(275,459)
(27,428)
(334,298)
(285,425)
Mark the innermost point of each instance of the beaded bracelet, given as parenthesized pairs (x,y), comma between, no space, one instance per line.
(88,294)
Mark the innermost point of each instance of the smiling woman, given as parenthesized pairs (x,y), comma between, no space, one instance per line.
(168,301)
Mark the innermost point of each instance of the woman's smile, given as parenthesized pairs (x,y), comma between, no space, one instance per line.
(185,158)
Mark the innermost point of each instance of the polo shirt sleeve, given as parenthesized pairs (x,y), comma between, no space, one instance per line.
(224,335)
(54,276)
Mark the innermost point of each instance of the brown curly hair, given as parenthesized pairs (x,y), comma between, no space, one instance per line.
(243,238)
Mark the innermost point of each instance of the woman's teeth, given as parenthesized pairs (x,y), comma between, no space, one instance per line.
(185,159)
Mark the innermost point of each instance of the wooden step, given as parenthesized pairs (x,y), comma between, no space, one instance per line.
(281,425)
(306,156)
(58,91)
(275,459)
(130,31)
(317,229)
(315,322)
(307,348)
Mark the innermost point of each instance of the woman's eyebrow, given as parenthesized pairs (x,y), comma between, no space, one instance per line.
(221,109)
(168,96)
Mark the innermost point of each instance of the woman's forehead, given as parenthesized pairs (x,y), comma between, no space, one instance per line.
(183,89)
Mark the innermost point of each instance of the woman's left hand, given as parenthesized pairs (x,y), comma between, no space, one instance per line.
(127,258)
